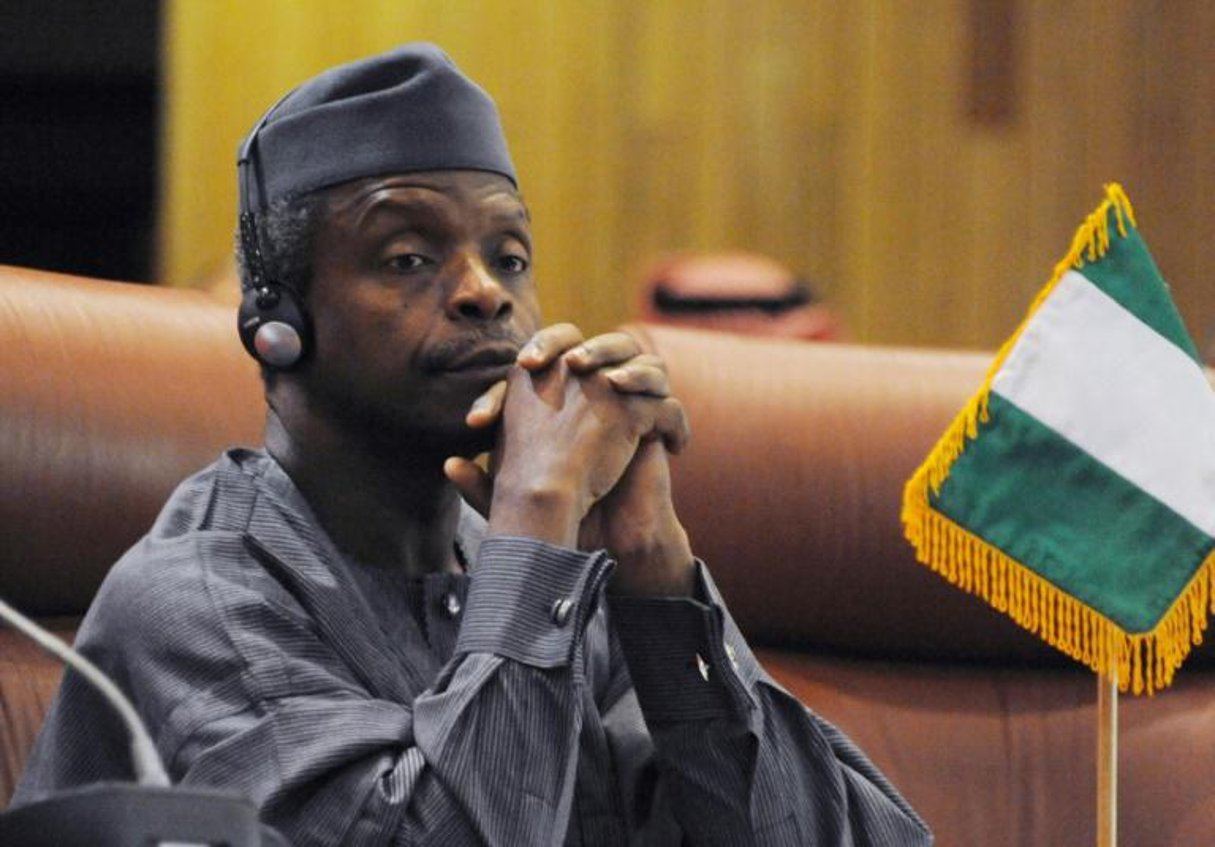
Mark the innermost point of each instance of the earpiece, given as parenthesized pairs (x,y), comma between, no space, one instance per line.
(273,325)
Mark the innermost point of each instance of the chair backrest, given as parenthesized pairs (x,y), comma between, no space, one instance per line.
(794,479)
(110,394)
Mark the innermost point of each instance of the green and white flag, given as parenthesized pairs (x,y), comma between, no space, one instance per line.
(1075,492)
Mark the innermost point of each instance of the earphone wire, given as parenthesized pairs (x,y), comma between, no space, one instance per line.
(247,171)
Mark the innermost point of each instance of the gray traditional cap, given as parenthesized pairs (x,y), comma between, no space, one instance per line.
(410,109)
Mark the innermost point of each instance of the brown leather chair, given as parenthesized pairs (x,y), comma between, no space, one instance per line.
(110,393)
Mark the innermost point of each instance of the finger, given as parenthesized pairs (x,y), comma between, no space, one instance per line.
(649,360)
(486,408)
(611,348)
(637,377)
(671,425)
(548,344)
(658,417)
(473,483)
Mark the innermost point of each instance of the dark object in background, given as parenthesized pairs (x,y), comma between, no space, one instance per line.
(79,106)
(740,292)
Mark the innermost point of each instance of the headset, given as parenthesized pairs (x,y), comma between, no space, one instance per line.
(274,325)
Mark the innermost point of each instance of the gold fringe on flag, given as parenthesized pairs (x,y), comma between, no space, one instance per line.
(1140,662)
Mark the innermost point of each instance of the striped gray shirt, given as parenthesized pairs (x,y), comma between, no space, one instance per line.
(516,705)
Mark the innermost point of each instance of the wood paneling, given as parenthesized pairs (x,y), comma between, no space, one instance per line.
(837,137)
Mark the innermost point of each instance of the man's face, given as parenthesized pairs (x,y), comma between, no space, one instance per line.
(422,295)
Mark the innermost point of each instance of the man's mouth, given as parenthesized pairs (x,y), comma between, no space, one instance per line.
(496,358)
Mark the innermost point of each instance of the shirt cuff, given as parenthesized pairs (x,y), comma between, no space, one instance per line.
(687,659)
(530,601)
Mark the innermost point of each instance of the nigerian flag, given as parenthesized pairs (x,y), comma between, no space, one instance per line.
(1075,491)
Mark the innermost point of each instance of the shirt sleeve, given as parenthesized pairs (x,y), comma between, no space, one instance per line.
(744,761)
(503,720)
(240,691)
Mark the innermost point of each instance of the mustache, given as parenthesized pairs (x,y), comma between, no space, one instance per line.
(448,353)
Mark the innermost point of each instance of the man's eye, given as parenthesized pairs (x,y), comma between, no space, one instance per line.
(406,261)
(512,264)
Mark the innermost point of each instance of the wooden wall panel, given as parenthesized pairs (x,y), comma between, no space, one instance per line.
(839,137)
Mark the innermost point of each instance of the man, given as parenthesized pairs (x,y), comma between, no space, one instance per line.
(327,627)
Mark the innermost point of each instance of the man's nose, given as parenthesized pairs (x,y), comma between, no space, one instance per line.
(478,294)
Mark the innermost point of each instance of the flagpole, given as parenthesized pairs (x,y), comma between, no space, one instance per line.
(1107,760)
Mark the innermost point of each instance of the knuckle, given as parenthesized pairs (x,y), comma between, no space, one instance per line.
(676,412)
(561,335)
(619,345)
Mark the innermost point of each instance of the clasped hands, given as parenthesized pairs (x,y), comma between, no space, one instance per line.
(580,458)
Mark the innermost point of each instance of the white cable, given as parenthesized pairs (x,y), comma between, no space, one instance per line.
(148,768)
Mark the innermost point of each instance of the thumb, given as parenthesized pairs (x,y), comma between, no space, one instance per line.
(471,480)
